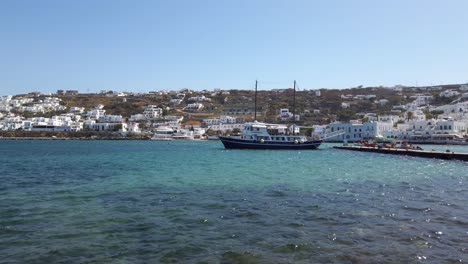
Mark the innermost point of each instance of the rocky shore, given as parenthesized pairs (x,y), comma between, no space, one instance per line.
(82,135)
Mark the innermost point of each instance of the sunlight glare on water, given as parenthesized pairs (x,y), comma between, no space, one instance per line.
(190,202)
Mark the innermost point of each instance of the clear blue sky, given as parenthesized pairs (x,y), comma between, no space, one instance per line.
(141,45)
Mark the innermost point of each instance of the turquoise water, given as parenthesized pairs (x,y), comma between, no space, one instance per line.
(195,202)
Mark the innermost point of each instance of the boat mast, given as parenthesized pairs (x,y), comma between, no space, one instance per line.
(255,116)
(294,106)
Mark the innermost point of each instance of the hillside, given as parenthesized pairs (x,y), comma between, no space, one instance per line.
(240,103)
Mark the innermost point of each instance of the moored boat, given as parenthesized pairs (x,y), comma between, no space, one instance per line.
(258,135)
(163,133)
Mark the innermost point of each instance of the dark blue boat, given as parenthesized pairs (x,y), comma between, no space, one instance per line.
(269,136)
(237,143)
(258,135)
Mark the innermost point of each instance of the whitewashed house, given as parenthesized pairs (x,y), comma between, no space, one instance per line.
(383,102)
(93,126)
(221,120)
(176,101)
(356,131)
(425,129)
(421,99)
(449,93)
(152,112)
(137,117)
(286,115)
(97,112)
(464,87)
(110,119)
(194,107)
(199,99)
(133,127)
(77,110)
(225,127)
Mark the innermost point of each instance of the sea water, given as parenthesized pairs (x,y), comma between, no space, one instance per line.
(195,202)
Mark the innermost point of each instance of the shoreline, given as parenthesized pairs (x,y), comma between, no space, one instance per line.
(90,139)
(60,138)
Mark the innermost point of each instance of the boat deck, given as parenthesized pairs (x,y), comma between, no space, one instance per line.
(410,152)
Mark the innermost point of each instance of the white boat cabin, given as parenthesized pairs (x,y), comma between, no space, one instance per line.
(272,132)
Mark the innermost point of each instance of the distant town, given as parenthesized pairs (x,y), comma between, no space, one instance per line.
(430,114)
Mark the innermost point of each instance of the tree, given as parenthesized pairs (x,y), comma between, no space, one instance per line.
(117,127)
(409,115)
(436,113)
(210,132)
(236,131)
(428,115)
(346,115)
(308,131)
(398,122)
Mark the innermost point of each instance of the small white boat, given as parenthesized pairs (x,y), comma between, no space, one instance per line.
(183,134)
(163,133)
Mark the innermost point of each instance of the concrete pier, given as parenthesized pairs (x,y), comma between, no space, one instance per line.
(410,152)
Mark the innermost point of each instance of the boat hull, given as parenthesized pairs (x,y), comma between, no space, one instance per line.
(233,143)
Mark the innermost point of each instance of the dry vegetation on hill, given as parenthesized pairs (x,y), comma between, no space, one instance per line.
(268,103)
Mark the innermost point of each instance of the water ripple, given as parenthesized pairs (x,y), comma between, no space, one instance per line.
(192,202)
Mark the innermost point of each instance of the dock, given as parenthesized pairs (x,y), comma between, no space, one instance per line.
(410,152)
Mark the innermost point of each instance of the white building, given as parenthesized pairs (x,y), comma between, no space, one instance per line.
(11,123)
(383,102)
(371,117)
(421,99)
(176,101)
(152,112)
(356,131)
(194,107)
(110,119)
(449,93)
(220,120)
(97,112)
(137,117)
(225,127)
(464,87)
(199,99)
(77,110)
(92,125)
(400,107)
(63,123)
(458,111)
(133,127)
(389,118)
(286,115)
(428,128)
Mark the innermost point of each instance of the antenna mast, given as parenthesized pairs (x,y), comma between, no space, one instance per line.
(294,107)
(255,116)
